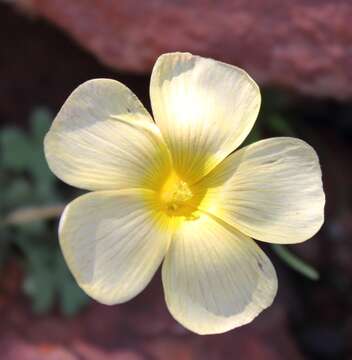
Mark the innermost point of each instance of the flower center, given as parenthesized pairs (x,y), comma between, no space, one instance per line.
(175,195)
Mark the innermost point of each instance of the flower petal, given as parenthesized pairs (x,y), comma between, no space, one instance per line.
(215,278)
(204,109)
(113,242)
(104,139)
(270,190)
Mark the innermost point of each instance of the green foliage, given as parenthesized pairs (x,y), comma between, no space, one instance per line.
(48,278)
(295,263)
(280,126)
(271,121)
(16,149)
(26,181)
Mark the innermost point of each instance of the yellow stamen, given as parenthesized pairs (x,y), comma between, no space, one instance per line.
(175,194)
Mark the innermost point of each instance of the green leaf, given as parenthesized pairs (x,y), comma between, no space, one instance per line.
(281,126)
(35,228)
(40,121)
(295,263)
(39,285)
(71,298)
(16,150)
(15,193)
(48,279)
(39,282)
(44,179)
(26,181)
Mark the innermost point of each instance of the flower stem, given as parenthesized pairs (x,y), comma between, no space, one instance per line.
(295,263)
(30,214)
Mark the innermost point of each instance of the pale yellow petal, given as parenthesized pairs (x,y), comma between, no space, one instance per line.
(113,242)
(270,190)
(103,138)
(215,278)
(204,109)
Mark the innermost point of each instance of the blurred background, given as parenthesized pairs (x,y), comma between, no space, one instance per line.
(301,54)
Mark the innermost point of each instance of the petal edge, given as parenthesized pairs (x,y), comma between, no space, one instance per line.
(104,139)
(113,243)
(215,278)
(270,190)
(204,109)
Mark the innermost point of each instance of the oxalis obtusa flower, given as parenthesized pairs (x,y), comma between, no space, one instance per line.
(171,191)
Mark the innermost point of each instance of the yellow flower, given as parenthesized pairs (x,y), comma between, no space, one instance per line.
(172,191)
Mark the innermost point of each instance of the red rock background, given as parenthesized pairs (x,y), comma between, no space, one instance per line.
(140,329)
(39,64)
(303,45)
